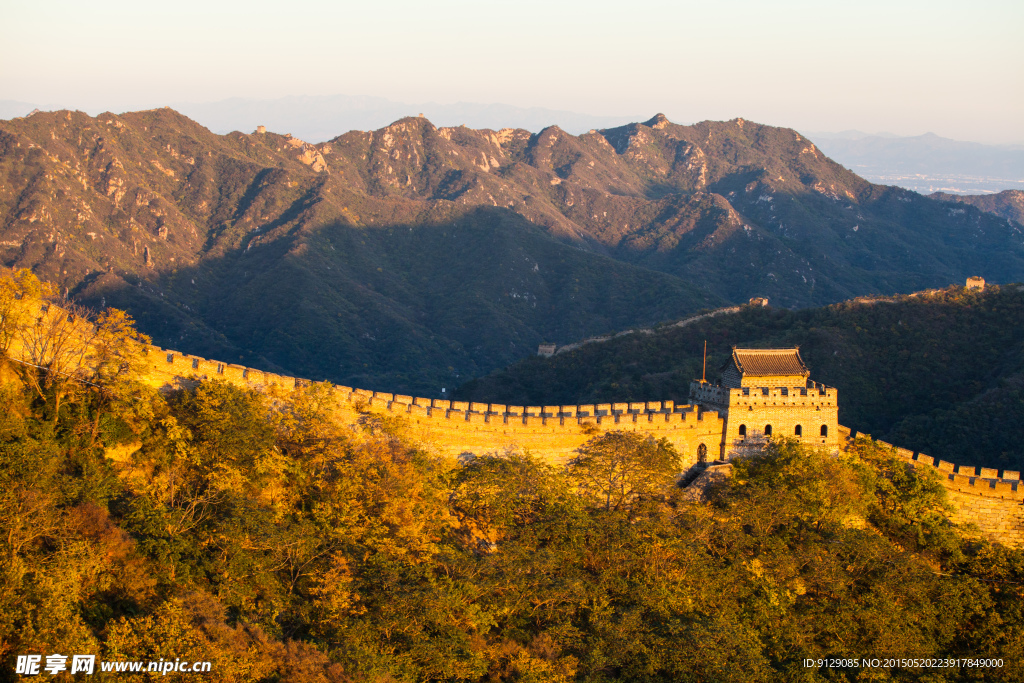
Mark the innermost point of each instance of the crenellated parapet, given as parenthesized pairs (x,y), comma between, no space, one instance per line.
(981,481)
(457,427)
(173,364)
(812,394)
(715,420)
(991,499)
(705,393)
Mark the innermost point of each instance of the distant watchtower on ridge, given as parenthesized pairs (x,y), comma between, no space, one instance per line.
(768,392)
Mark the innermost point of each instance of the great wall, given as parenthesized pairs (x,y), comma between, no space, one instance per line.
(457,427)
(980,496)
(991,500)
(554,349)
(715,422)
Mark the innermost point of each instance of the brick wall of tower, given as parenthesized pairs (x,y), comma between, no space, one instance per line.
(781,408)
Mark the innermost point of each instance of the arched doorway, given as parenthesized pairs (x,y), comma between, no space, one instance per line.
(702,453)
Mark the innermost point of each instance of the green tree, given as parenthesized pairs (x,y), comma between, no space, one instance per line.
(795,486)
(909,503)
(233,434)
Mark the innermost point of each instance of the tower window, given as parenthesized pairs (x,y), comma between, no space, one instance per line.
(767,430)
(743,431)
(824,430)
(799,431)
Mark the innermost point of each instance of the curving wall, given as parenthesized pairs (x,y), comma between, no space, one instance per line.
(457,427)
(982,496)
(991,500)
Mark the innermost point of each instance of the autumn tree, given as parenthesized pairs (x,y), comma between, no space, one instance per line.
(115,362)
(54,348)
(502,494)
(233,434)
(616,468)
(21,293)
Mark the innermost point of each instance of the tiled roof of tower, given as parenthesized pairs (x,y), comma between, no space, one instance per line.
(768,362)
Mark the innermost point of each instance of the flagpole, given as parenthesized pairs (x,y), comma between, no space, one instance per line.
(704,372)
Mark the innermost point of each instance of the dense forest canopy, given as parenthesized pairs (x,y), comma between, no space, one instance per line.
(259,533)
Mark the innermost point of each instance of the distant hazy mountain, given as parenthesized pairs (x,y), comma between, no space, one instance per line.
(320,118)
(413,256)
(10,109)
(927,163)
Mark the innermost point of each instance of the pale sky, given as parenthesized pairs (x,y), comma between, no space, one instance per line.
(903,66)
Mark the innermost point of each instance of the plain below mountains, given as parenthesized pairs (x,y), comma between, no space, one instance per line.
(928,163)
(413,257)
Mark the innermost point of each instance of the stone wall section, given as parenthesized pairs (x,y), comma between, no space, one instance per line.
(985,497)
(991,500)
(647,330)
(459,427)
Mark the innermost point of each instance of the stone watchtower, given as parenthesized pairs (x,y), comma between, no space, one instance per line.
(768,393)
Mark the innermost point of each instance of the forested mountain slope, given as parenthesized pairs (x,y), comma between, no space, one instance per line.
(413,257)
(941,372)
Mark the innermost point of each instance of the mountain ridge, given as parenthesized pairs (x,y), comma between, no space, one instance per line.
(1009,203)
(414,251)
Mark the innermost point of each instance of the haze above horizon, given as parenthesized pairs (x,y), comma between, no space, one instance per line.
(907,67)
